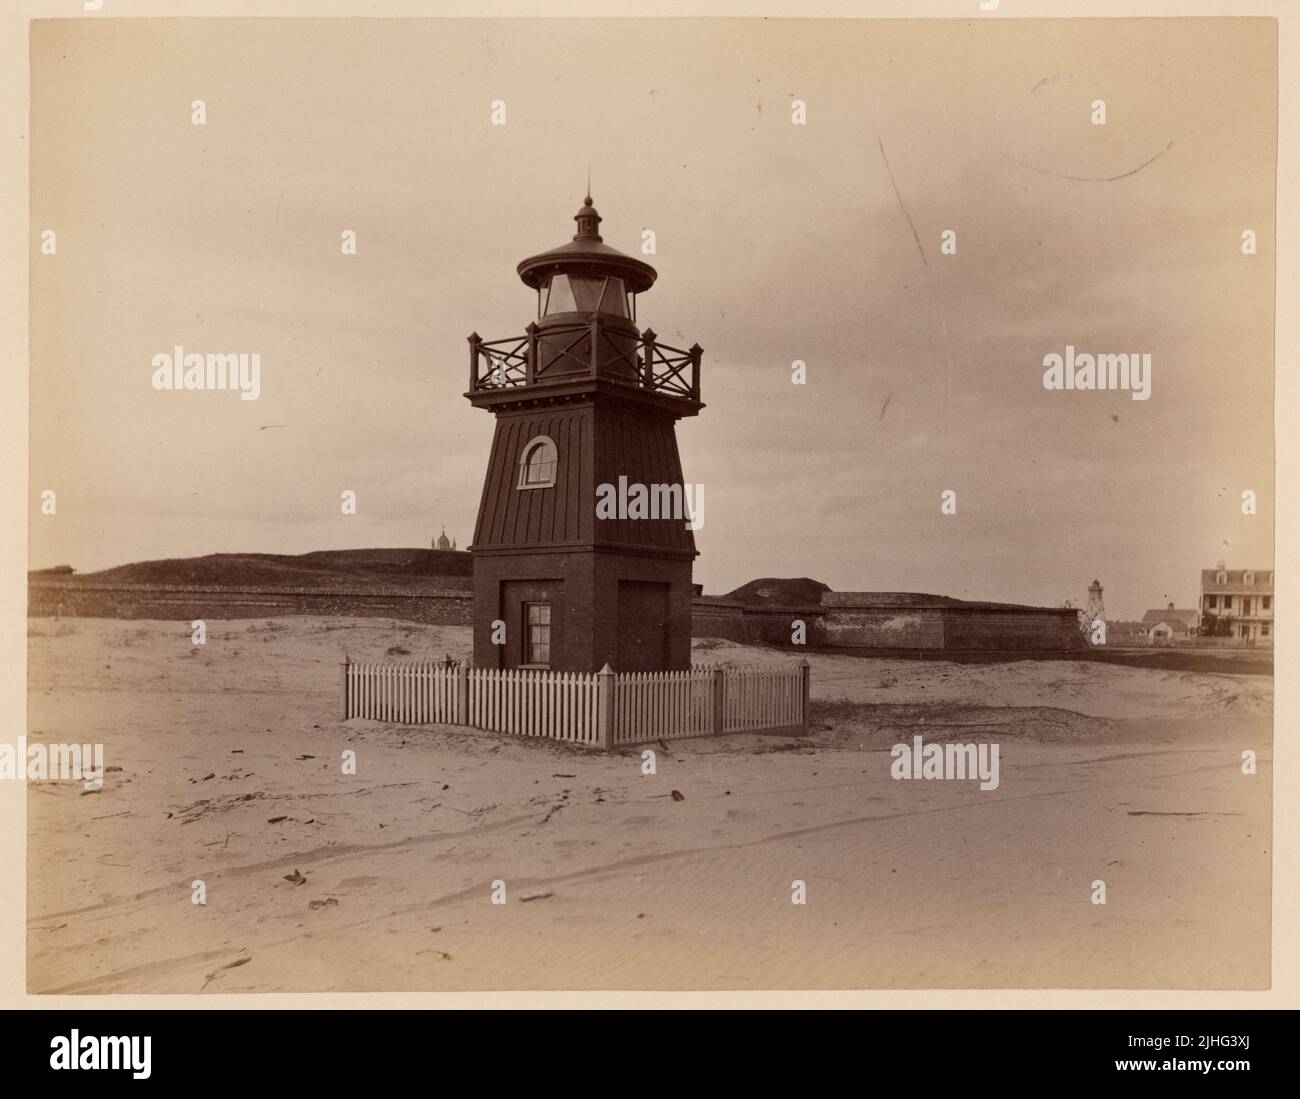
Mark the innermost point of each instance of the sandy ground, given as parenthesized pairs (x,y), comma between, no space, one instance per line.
(1127,775)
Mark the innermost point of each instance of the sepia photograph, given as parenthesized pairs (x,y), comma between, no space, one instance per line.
(649,504)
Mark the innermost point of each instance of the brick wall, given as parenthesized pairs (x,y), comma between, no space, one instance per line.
(878,599)
(713,618)
(893,620)
(892,626)
(753,625)
(179,603)
(885,628)
(973,630)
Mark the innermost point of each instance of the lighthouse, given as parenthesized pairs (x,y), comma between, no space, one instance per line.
(583,400)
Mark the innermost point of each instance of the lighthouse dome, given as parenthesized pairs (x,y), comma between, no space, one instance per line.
(587,254)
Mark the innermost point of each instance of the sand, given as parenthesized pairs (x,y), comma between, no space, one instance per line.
(1126,775)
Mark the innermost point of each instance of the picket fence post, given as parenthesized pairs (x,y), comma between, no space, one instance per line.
(805,670)
(717,694)
(461,716)
(605,707)
(343,669)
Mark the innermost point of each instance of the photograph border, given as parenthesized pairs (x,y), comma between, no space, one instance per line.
(22,243)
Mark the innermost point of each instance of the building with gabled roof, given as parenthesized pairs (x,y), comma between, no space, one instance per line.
(1170,625)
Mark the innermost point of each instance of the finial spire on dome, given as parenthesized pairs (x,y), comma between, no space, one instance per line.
(588,220)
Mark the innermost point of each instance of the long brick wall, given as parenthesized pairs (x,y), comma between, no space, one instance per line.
(714,618)
(904,621)
(981,629)
(885,628)
(849,619)
(169,602)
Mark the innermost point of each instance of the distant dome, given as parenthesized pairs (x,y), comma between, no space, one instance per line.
(442,542)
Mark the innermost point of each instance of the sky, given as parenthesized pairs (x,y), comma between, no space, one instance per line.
(775,242)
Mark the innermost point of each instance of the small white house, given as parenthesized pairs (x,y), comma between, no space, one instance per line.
(1169,626)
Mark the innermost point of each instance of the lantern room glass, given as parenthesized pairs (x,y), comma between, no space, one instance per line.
(583,294)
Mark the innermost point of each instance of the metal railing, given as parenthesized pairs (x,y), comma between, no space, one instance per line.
(588,349)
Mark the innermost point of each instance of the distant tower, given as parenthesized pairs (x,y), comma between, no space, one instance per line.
(441,541)
(1096,608)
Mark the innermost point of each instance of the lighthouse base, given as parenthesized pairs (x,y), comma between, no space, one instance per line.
(538,609)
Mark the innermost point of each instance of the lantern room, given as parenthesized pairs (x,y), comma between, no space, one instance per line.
(583,279)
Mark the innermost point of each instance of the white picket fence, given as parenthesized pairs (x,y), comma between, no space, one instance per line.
(662,705)
(759,697)
(412,693)
(527,702)
(601,710)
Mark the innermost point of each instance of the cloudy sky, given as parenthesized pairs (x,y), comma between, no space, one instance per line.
(776,242)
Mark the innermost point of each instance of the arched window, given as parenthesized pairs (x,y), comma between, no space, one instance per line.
(1249,578)
(1221,579)
(537,463)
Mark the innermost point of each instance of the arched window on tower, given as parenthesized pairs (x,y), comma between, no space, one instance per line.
(537,463)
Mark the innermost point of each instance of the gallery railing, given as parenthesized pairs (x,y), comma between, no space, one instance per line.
(589,349)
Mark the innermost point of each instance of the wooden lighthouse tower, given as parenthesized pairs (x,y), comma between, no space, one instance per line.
(582,400)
